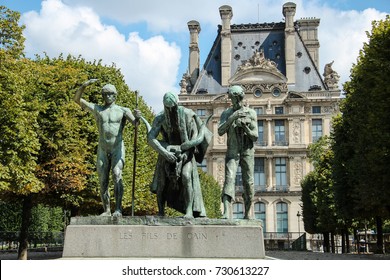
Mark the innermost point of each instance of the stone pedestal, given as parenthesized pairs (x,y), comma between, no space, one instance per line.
(160,237)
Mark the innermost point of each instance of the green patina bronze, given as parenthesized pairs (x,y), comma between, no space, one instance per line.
(110,119)
(240,124)
(184,140)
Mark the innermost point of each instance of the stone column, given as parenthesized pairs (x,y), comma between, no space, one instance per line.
(289,35)
(226,13)
(308,28)
(270,173)
(269,132)
(194,57)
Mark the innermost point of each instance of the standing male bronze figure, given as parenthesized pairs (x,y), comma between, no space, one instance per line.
(240,124)
(111,120)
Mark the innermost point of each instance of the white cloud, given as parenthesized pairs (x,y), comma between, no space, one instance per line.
(341,35)
(149,65)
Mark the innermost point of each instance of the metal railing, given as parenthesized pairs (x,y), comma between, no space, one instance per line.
(9,240)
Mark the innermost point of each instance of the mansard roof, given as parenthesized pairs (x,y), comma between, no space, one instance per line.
(247,39)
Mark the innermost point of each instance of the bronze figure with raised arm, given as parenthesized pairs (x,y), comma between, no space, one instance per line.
(111,120)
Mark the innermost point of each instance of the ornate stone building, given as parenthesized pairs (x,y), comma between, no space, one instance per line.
(278,66)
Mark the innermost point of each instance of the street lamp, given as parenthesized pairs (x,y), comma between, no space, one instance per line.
(299,226)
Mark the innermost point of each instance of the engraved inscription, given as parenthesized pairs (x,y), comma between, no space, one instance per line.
(172,236)
(125,235)
(149,235)
(165,236)
(197,235)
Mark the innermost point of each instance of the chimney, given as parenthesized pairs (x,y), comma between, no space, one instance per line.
(308,28)
(194,57)
(289,44)
(226,13)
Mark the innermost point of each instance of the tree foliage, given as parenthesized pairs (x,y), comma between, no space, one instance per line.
(211,192)
(19,144)
(317,189)
(48,144)
(309,206)
(362,134)
(365,119)
(11,33)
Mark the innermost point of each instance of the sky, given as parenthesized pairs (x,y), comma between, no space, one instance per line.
(149,39)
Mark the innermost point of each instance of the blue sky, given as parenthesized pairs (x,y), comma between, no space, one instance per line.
(148,39)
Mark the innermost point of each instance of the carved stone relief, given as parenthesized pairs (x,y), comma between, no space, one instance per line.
(221,140)
(298,172)
(220,172)
(296,131)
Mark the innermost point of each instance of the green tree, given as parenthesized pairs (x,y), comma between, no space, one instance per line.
(19,145)
(309,206)
(11,33)
(317,192)
(48,145)
(365,122)
(211,192)
(10,216)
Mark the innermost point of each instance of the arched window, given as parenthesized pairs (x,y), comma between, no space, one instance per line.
(260,213)
(281,217)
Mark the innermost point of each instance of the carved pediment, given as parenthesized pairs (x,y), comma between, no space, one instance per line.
(223,98)
(256,70)
(296,95)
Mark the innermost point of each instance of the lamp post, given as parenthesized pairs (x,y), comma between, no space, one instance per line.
(299,226)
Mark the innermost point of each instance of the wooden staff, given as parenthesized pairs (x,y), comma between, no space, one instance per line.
(134,157)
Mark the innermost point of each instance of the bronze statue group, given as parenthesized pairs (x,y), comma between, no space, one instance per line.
(181,139)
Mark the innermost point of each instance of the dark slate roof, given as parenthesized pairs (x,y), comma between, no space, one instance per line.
(246,39)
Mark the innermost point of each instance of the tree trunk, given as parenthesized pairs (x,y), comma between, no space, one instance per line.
(347,241)
(343,242)
(326,242)
(356,238)
(26,220)
(379,236)
(332,242)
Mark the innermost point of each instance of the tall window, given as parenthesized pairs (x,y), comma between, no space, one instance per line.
(201,112)
(259,174)
(316,109)
(238,211)
(239,179)
(260,125)
(281,217)
(281,174)
(258,110)
(279,110)
(260,213)
(280,133)
(316,129)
